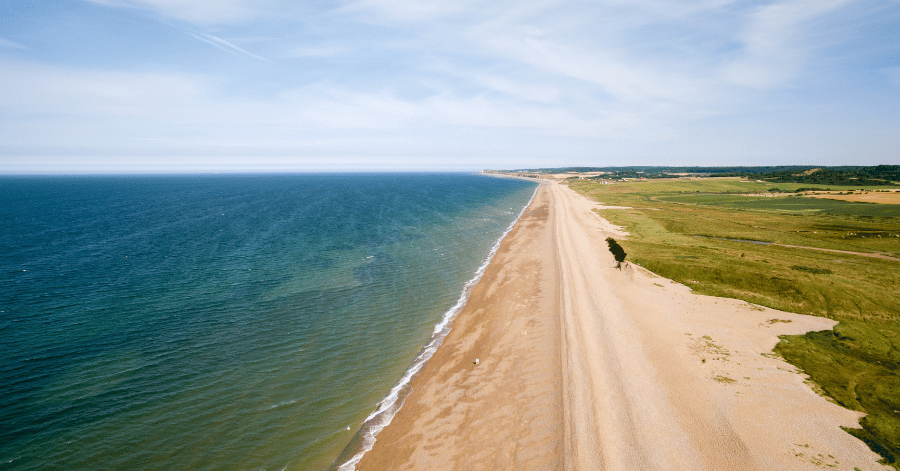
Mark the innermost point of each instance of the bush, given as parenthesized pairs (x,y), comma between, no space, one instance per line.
(818,271)
(617,251)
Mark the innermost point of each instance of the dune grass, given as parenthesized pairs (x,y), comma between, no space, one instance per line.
(680,229)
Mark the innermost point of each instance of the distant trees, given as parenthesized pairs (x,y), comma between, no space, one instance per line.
(617,251)
(846,175)
(859,176)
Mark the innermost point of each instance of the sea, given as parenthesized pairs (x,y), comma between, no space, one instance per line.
(207,322)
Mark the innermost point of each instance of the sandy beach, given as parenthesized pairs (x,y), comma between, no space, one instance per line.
(581,366)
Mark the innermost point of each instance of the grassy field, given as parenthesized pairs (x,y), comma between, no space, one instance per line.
(680,230)
(791,204)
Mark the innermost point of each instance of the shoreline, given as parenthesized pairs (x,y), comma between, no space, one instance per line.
(582,366)
(386,409)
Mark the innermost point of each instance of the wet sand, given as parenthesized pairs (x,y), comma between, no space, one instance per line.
(583,366)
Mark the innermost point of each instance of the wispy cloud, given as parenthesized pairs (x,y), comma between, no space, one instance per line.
(194,11)
(317,50)
(409,10)
(522,89)
(7,44)
(226,46)
(33,89)
(775,43)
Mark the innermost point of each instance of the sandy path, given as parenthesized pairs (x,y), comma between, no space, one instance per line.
(586,367)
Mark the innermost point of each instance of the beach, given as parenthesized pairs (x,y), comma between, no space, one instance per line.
(561,361)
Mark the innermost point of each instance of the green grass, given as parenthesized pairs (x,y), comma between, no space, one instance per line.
(791,204)
(647,188)
(856,363)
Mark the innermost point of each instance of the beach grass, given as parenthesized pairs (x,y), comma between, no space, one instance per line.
(718,237)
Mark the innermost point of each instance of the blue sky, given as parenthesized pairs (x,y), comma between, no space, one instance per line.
(125,86)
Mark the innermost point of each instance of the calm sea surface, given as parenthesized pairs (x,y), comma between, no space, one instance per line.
(223,322)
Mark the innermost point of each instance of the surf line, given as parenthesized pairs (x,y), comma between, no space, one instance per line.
(385,411)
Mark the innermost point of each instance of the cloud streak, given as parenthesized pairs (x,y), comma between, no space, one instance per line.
(193,11)
(226,46)
(775,46)
(6,44)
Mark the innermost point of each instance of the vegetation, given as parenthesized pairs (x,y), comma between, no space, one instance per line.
(617,251)
(737,255)
(667,172)
(878,175)
(845,176)
(819,271)
(791,204)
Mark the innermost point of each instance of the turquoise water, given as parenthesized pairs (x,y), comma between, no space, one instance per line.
(224,322)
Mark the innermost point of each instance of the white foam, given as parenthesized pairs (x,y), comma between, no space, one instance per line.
(386,410)
(282,404)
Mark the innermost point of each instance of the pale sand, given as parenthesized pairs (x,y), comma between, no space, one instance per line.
(586,367)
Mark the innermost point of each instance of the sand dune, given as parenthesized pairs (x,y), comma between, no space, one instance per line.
(583,366)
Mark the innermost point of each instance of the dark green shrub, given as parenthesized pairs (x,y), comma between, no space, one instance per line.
(617,251)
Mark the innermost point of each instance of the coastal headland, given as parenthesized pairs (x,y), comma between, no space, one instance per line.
(561,361)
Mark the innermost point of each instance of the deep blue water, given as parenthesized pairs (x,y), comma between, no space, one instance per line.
(223,322)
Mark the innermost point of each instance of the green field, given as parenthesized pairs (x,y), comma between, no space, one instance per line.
(791,204)
(679,229)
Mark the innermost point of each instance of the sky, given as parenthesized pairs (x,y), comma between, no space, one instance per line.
(169,86)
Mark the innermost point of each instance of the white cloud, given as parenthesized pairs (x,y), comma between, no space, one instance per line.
(53,104)
(621,79)
(594,61)
(522,89)
(319,50)
(775,42)
(402,77)
(563,85)
(6,44)
(37,89)
(194,11)
(226,46)
(407,10)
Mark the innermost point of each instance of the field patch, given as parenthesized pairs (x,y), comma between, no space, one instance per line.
(877,197)
(790,204)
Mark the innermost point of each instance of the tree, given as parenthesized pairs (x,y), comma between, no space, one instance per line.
(617,251)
